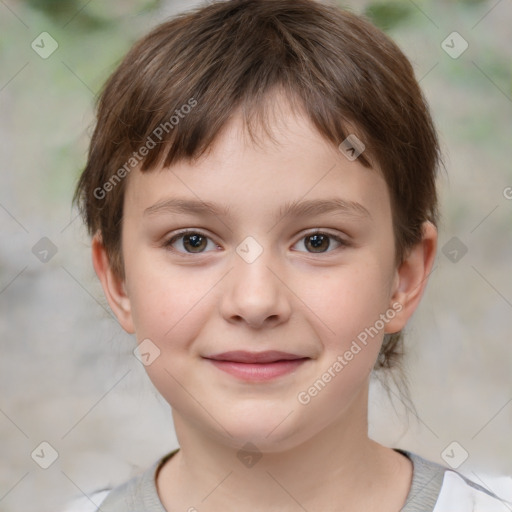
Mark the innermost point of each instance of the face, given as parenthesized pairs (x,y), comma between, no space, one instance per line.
(295,255)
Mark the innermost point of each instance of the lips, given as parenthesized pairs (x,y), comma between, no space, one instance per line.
(241,356)
(257,366)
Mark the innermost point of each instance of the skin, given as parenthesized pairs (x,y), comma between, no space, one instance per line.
(290,298)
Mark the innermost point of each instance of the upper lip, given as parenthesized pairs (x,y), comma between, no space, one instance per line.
(241,356)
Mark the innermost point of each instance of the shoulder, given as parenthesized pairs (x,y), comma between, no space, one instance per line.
(492,494)
(438,488)
(87,503)
(137,493)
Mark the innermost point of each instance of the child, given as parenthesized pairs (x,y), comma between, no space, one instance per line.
(261,192)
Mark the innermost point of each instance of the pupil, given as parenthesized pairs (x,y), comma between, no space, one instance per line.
(194,241)
(316,241)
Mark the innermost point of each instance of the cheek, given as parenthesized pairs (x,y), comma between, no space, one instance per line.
(349,300)
(162,308)
(349,326)
(169,303)
(348,323)
(154,298)
(169,307)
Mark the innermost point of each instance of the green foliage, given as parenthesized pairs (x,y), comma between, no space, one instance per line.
(91,14)
(388,15)
(473,2)
(61,11)
(55,6)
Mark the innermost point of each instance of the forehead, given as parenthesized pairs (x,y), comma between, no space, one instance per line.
(243,176)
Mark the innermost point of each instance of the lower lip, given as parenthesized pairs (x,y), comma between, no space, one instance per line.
(258,371)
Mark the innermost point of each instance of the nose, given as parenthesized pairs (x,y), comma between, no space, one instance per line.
(255,293)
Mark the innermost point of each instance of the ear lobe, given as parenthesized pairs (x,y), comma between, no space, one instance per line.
(113,287)
(411,278)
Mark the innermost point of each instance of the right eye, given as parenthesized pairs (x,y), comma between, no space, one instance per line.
(193,241)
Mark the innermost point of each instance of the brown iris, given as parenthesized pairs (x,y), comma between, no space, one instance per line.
(195,241)
(316,242)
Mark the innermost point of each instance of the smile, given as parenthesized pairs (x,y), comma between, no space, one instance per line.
(255,366)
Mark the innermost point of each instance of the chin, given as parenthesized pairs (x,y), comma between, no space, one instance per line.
(267,432)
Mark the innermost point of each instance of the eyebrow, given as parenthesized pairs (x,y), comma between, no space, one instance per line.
(296,208)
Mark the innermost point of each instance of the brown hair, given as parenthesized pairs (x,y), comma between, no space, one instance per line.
(179,85)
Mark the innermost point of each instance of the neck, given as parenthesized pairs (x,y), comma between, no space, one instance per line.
(339,464)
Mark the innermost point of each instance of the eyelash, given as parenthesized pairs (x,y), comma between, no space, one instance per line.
(168,243)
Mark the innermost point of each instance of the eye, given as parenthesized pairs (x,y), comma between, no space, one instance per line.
(319,242)
(194,242)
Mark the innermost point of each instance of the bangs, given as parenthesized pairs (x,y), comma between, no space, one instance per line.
(177,110)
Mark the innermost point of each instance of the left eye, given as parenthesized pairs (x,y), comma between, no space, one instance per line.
(320,242)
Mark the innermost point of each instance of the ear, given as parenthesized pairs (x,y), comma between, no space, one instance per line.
(411,278)
(113,287)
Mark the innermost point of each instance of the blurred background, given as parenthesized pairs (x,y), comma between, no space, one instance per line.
(67,372)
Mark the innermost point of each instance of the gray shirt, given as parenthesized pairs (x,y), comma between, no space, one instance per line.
(140,493)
